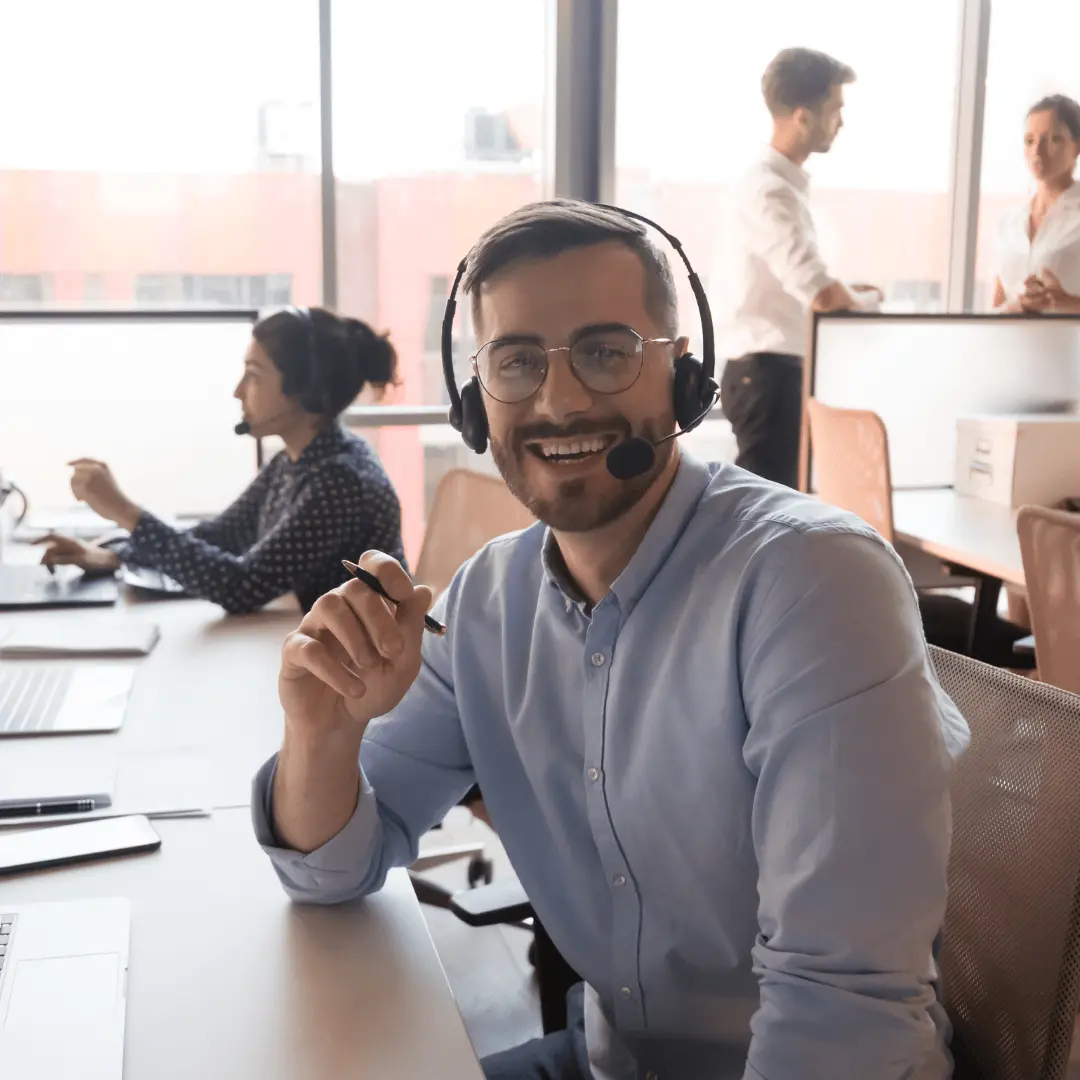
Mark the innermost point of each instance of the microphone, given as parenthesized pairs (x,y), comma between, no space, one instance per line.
(636,456)
(243,428)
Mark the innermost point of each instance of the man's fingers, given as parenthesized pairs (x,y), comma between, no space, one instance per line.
(413,610)
(306,655)
(377,616)
(349,631)
(391,574)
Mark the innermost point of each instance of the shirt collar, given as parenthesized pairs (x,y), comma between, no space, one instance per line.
(678,507)
(794,174)
(328,442)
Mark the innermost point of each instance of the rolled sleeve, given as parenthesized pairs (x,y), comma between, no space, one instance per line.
(850,739)
(329,874)
(786,242)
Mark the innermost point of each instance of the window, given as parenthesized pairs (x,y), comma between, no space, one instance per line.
(1032,54)
(881,194)
(21,289)
(430,147)
(173,142)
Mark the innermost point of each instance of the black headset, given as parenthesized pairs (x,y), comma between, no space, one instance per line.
(695,390)
(313,397)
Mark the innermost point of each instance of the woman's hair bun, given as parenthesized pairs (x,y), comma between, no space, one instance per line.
(371,354)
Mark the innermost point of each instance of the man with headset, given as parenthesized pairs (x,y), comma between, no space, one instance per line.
(698,704)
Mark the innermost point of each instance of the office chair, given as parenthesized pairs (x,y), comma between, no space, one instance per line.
(468,510)
(851,466)
(1010,958)
(1050,547)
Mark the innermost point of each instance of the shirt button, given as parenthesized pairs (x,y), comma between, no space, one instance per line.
(597,659)
(618,881)
(626,993)
(593,773)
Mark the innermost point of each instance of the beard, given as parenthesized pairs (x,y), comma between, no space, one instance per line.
(579,503)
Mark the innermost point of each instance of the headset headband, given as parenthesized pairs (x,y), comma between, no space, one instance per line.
(708,345)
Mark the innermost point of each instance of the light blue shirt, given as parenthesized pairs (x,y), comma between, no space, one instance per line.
(724,789)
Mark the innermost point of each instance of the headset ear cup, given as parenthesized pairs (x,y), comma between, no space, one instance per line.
(474,422)
(687,390)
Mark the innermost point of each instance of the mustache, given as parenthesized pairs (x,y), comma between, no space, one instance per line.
(580,428)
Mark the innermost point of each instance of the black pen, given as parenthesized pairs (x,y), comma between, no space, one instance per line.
(372,582)
(35,809)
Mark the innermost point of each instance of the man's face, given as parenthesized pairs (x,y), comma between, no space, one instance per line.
(553,302)
(824,122)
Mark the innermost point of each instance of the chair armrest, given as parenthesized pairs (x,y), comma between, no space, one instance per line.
(438,856)
(503,902)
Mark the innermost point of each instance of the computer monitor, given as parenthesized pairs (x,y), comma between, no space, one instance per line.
(149,393)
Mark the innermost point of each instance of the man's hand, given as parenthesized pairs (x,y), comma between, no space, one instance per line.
(92,482)
(354,655)
(67,551)
(352,658)
(863,288)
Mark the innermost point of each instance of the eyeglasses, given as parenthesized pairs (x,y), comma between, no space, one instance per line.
(606,361)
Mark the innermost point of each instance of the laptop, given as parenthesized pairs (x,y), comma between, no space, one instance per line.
(27,587)
(48,698)
(63,989)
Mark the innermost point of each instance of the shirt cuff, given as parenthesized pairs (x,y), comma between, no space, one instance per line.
(332,873)
(147,538)
(808,286)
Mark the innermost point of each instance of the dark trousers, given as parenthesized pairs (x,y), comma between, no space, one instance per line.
(761,395)
(559,1056)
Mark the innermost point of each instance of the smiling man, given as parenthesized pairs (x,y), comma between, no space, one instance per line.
(698,704)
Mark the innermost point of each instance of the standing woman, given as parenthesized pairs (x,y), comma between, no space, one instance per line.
(1039,243)
(324,498)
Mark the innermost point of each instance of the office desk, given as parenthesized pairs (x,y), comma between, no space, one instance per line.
(230,981)
(976,537)
(972,533)
(210,683)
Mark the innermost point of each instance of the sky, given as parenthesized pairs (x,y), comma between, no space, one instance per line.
(165,86)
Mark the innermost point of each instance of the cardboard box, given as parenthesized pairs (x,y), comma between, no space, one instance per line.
(1024,460)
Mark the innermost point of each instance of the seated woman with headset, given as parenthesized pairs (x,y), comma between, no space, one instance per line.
(324,498)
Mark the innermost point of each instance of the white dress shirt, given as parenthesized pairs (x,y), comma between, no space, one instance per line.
(773,267)
(1056,246)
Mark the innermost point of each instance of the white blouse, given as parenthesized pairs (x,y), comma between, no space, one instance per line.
(1056,245)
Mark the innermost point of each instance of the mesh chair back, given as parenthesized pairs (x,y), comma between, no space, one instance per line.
(1010,960)
(851,463)
(1050,546)
(468,510)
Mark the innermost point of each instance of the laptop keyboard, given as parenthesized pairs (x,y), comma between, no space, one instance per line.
(31,697)
(7,927)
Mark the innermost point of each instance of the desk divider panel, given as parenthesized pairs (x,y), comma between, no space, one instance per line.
(921,373)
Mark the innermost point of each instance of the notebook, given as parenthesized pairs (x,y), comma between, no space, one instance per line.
(61,638)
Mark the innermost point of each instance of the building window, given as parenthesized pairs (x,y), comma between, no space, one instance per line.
(213,290)
(25,288)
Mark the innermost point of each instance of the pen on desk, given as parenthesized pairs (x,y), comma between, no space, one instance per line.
(36,809)
(372,582)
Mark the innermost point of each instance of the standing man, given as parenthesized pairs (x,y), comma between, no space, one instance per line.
(780,275)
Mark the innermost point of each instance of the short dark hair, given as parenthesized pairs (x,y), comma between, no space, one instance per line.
(801,79)
(544,229)
(325,359)
(1066,111)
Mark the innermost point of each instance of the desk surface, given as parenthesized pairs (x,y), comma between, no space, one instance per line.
(209,684)
(230,981)
(971,532)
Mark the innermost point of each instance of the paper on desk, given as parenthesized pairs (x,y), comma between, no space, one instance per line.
(78,636)
(157,783)
(57,780)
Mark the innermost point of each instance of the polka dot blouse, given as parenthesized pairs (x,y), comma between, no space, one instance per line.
(288,532)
